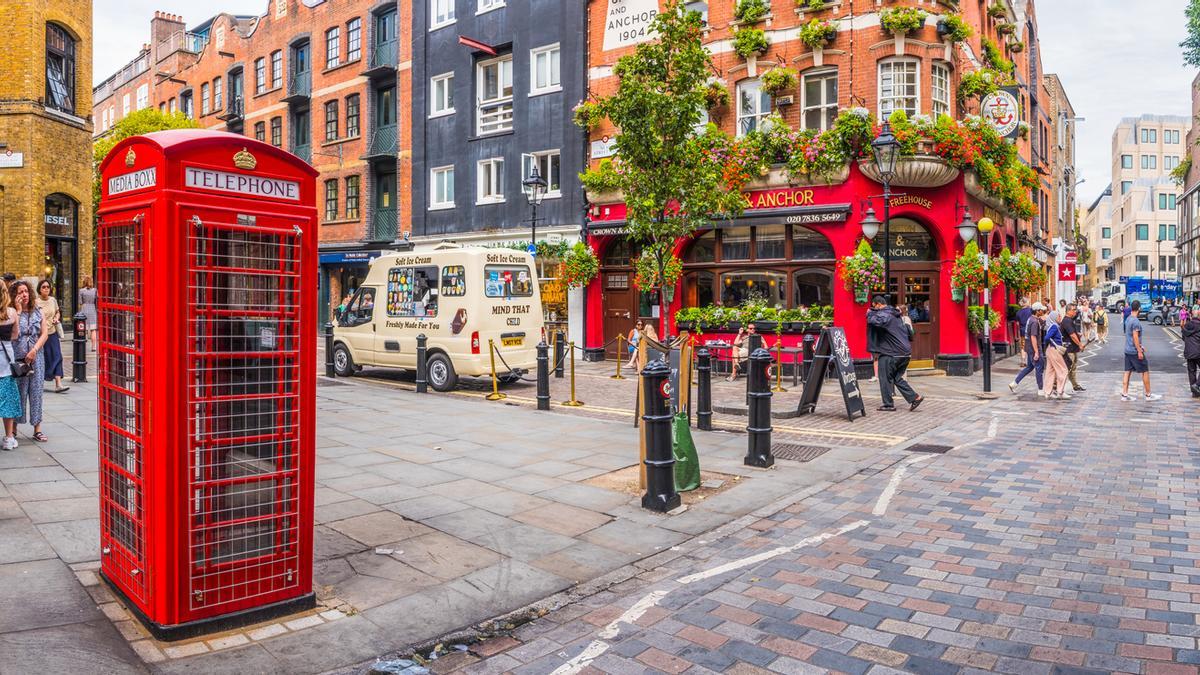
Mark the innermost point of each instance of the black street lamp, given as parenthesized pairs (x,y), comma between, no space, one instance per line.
(886,148)
(535,189)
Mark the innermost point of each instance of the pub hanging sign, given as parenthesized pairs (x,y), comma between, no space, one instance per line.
(1003,111)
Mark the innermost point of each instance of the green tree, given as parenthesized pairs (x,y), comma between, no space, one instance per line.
(135,124)
(1191,45)
(671,183)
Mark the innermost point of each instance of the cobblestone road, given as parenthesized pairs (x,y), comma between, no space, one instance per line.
(1053,537)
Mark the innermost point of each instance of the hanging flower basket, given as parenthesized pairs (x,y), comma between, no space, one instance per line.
(861,295)
(958,294)
(862,271)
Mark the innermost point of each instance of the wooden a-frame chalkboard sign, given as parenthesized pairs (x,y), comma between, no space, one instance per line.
(832,351)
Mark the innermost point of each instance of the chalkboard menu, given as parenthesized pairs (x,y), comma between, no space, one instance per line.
(832,351)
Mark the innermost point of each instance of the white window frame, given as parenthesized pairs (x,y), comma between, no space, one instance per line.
(441,104)
(939,79)
(762,106)
(441,173)
(553,55)
(498,111)
(333,38)
(441,13)
(823,105)
(543,160)
(494,166)
(485,6)
(143,96)
(125,105)
(891,65)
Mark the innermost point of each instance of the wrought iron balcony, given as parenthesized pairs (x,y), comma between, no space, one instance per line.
(304,152)
(384,57)
(234,111)
(383,225)
(384,143)
(299,87)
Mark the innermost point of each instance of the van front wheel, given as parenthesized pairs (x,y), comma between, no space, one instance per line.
(343,363)
(441,373)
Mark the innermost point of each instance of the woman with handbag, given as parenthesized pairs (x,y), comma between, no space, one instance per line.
(10,397)
(52,314)
(32,333)
(1056,365)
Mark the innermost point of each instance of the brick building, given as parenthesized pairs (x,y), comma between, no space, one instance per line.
(792,251)
(1060,214)
(1188,179)
(325,80)
(45,143)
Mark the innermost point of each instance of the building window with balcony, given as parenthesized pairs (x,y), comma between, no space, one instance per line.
(352,197)
(753,106)
(217,94)
(940,76)
(260,131)
(819,104)
(495,87)
(1142,232)
(1126,161)
(276,69)
(352,116)
(60,69)
(544,77)
(899,86)
(204,99)
(385,107)
(489,5)
(331,199)
(490,179)
(277,131)
(549,166)
(441,188)
(442,100)
(333,47)
(441,13)
(300,134)
(353,39)
(331,120)
(260,75)
(143,96)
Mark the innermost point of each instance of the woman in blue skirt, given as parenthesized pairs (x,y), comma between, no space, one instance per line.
(10,397)
(52,353)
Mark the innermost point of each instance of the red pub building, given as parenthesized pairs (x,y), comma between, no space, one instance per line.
(785,246)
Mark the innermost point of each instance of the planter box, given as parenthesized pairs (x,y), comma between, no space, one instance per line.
(919,171)
(685,325)
(973,187)
(765,327)
(778,177)
(615,197)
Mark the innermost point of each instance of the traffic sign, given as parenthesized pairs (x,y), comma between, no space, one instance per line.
(1071,257)
(532,248)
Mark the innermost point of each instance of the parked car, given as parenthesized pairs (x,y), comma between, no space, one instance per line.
(1155,315)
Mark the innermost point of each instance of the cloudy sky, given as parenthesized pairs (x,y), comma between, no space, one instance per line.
(1113,62)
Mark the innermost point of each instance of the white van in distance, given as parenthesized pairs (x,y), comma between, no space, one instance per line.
(460,298)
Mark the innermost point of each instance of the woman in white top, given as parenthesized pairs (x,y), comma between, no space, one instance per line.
(10,396)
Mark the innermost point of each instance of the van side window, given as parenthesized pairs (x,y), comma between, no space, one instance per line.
(507,281)
(412,291)
(454,281)
(361,308)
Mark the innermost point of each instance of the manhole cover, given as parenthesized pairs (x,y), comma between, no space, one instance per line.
(799,453)
(925,447)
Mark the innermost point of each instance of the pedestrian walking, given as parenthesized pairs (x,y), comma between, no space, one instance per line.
(1035,356)
(1088,321)
(894,344)
(10,395)
(87,305)
(635,334)
(1191,350)
(1101,324)
(32,333)
(1070,334)
(1135,354)
(1023,316)
(52,314)
(1056,366)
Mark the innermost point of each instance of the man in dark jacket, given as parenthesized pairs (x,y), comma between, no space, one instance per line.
(1191,350)
(893,344)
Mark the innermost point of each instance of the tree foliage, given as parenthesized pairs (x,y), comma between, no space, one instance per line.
(135,124)
(1191,44)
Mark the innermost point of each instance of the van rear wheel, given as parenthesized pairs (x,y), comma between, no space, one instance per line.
(343,363)
(441,373)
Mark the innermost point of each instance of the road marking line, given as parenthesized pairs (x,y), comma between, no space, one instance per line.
(994,427)
(775,552)
(593,651)
(632,614)
(889,491)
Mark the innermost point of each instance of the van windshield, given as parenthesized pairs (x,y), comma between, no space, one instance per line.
(507,281)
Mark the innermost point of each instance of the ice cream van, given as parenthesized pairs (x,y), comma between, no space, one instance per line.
(460,298)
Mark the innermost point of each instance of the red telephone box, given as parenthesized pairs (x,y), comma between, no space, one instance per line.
(207,289)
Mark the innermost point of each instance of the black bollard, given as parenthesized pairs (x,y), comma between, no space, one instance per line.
(79,349)
(810,348)
(560,351)
(422,366)
(543,376)
(703,390)
(759,428)
(329,371)
(656,425)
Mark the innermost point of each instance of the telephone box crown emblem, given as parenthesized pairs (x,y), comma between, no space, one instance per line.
(244,160)
(130,157)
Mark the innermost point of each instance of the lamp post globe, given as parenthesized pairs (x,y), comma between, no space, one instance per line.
(886,149)
(986,225)
(967,229)
(870,224)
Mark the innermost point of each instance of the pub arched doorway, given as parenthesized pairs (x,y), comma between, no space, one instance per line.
(914,282)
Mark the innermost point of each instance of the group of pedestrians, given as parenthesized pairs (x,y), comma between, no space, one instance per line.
(1053,340)
(30,354)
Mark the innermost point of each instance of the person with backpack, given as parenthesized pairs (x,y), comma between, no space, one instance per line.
(1191,349)
(1101,324)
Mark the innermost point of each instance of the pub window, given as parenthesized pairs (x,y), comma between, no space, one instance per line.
(699,289)
(331,199)
(738,286)
(820,102)
(735,244)
(704,248)
(812,287)
(769,242)
(753,106)
(899,87)
(352,197)
(619,254)
(810,245)
(412,291)
(60,69)
(941,89)
(910,241)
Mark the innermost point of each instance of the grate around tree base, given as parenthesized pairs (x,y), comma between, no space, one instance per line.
(926,447)
(799,453)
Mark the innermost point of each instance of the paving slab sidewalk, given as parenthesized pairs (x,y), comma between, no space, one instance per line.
(433,513)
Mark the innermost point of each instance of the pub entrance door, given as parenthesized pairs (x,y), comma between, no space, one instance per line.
(915,291)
